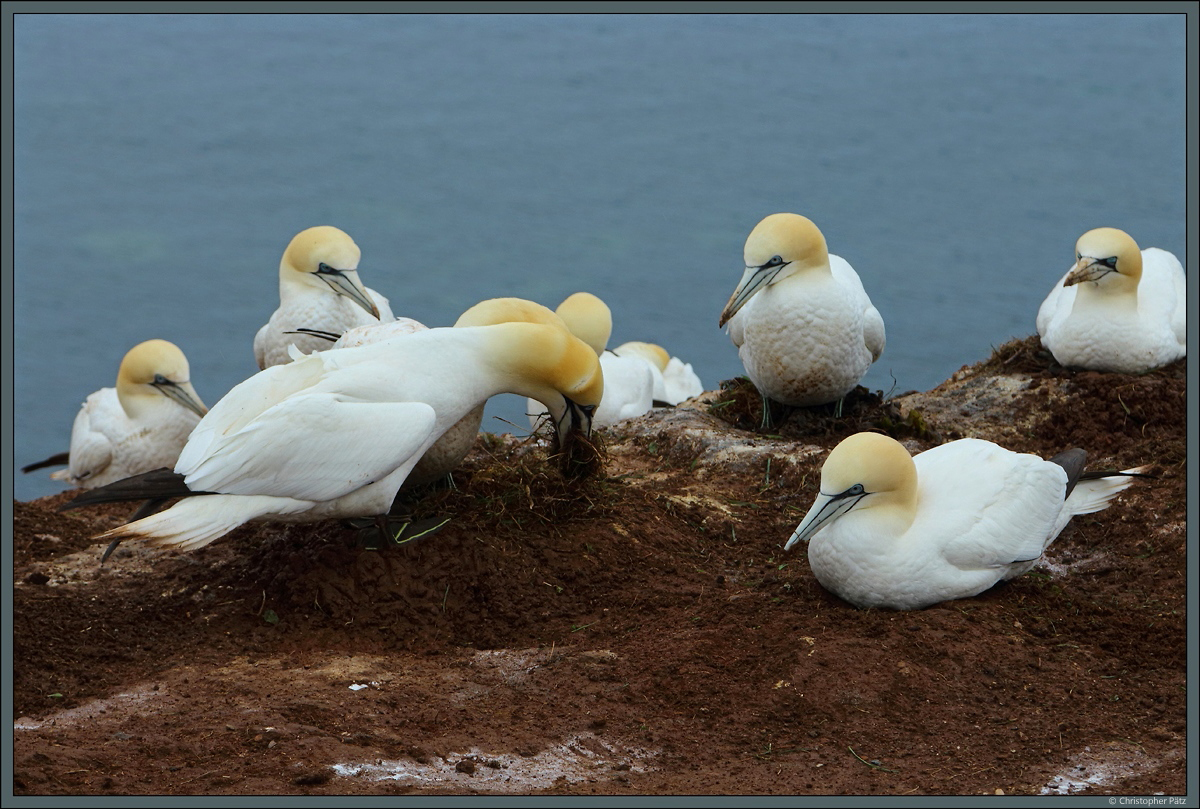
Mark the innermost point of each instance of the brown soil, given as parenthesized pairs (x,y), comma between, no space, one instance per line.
(638,632)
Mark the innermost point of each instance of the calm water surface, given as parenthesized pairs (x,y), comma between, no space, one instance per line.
(162,163)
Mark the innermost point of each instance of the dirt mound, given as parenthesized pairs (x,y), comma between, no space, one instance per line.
(638,631)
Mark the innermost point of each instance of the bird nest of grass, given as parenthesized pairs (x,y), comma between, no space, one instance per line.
(740,406)
(512,483)
(1024,355)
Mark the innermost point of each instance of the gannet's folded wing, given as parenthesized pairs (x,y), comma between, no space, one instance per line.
(315,446)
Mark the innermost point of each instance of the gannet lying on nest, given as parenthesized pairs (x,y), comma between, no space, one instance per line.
(902,532)
(139,425)
(1118,308)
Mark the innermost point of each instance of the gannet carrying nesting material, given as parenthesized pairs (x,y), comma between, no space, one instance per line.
(319,289)
(674,379)
(628,381)
(1118,308)
(901,532)
(334,434)
(805,329)
(140,425)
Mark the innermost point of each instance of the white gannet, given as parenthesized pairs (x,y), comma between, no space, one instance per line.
(139,425)
(1118,308)
(335,433)
(901,532)
(674,379)
(319,289)
(804,326)
(628,381)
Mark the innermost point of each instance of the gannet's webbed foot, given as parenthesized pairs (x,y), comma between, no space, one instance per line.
(380,532)
(773,414)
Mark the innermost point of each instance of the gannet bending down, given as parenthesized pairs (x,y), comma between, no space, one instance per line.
(674,379)
(902,532)
(1118,308)
(319,289)
(628,381)
(805,329)
(139,425)
(334,434)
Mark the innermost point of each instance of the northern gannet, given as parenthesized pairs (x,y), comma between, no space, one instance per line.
(628,381)
(674,379)
(1118,308)
(334,434)
(139,425)
(805,329)
(901,532)
(319,290)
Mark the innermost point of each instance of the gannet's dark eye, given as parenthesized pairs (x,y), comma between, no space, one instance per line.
(325,268)
(1111,262)
(857,488)
(775,261)
(159,379)
(1078,256)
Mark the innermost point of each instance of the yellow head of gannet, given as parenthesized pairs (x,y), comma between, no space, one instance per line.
(901,532)
(508,310)
(780,246)
(588,318)
(572,414)
(334,434)
(1118,308)
(1106,256)
(864,471)
(652,353)
(327,257)
(139,425)
(152,369)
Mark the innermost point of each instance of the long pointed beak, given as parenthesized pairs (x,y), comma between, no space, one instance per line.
(753,280)
(1087,269)
(345,282)
(575,419)
(184,393)
(825,509)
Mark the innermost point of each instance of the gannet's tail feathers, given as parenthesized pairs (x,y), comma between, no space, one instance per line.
(194,523)
(158,484)
(1095,490)
(60,459)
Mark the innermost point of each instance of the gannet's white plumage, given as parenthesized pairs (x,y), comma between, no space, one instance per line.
(319,289)
(805,329)
(449,450)
(901,532)
(335,433)
(674,379)
(628,381)
(139,425)
(1118,308)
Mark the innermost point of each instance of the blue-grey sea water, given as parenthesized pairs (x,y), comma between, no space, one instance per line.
(162,163)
